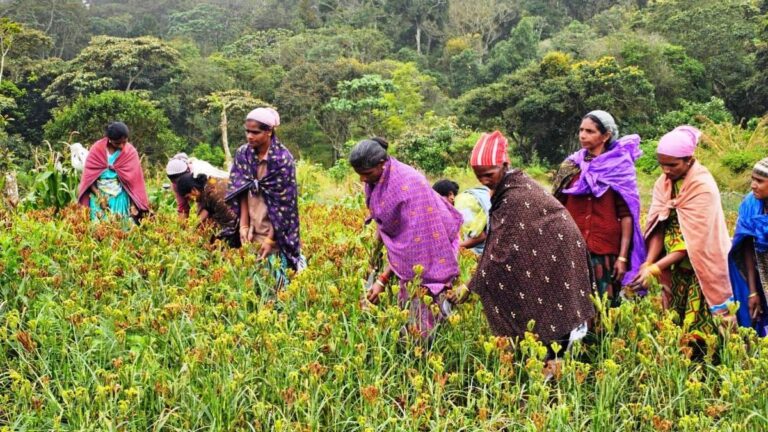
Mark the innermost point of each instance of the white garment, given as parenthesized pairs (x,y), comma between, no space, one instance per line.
(198,166)
(78,156)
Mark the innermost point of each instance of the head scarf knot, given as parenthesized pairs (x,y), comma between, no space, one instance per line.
(679,143)
(490,150)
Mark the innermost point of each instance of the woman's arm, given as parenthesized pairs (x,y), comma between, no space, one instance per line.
(620,267)
(754,300)
(245,219)
(473,241)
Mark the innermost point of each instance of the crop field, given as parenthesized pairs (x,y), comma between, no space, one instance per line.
(156,329)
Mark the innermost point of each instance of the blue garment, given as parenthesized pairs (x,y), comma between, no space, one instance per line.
(117,198)
(752,222)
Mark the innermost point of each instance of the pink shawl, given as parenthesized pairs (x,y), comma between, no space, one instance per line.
(127,166)
(703,225)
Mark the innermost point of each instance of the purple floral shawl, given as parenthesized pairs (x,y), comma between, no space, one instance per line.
(279,189)
(615,169)
(417,226)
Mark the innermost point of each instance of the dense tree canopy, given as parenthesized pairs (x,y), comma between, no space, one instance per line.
(412,70)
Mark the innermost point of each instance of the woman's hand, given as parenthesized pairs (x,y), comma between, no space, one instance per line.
(619,270)
(245,231)
(644,276)
(457,295)
(373,293)
(267,247)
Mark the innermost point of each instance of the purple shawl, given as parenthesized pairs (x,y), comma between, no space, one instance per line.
(278,188)
(417,226)
(615,169)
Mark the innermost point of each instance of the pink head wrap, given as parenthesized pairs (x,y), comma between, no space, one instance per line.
(490,150)
(266,116)
(680,143)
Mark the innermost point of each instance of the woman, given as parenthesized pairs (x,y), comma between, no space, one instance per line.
(598,186)
(263,192)
(112,183)
(535,264)
(686,237)
(181,164)
(209,195)
(748,258)
(418,228)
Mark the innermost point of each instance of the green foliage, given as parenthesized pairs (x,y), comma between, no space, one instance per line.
(150,130)
(674,74)
(436,148)
(718,33)
(206,24)
(111,63)
(214,155)
(695,113)
(55,184)
(514,52)
(540,106)
(730,151)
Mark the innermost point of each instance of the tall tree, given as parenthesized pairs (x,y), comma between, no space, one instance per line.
(419,15)
(65,21)
(540,105)
(720,34)
(488,18)
(8,32)
(227,103)
(116,63)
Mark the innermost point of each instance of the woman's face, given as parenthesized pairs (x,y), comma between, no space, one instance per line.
(193,195)
(591,138)
(490,176)
(759,186)
(118,144)
(257,134)
(371,175)
(674,168)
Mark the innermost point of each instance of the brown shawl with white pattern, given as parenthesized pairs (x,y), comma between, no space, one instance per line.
(535,265)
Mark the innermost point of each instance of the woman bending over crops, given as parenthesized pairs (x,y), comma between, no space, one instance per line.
(598,186)
(535,265)
(473,204)
(112,183)
(209,195)
(181,164)
(418,229)
(748,258)
(686,237)
(263,192)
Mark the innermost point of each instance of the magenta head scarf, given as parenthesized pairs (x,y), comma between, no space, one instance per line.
(680,143)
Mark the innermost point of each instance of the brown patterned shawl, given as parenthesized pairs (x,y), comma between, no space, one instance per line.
(535,264)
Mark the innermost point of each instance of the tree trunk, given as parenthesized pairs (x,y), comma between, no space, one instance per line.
(11,189)
(418,38)
(2,64)
(225,139)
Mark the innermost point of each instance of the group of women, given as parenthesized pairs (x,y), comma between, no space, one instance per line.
(256,202)
(546,253)
(541,254)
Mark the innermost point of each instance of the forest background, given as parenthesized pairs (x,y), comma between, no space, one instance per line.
(428,75)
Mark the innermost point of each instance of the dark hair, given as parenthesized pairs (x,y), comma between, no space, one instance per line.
(368,153)
(174,177)
(600,126)
(116,130)
(186,183)
(446,187)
